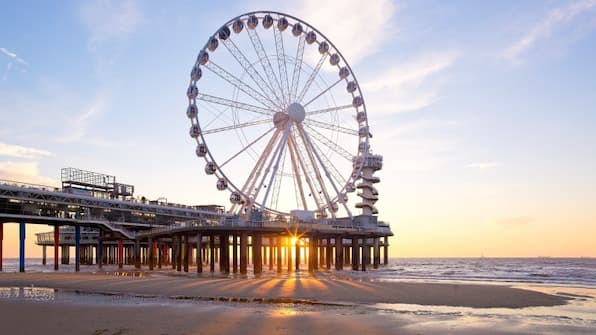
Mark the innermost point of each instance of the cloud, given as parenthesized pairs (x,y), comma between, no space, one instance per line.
(515,221)
(412,73)
(408,86)
(108,20)
(13,56)
(356,27)
(18,151)
(483,165)
(26,172)
(544,29)
(72,114)
(79,123)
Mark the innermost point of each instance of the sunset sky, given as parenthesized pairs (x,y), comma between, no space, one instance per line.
(485,112)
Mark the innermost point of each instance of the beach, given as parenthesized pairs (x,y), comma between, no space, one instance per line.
(170,303)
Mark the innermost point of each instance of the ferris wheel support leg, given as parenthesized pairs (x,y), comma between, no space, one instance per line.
(310,150)
(297,173)
(309,181)
(256,171)
(267,169)
(279,153)
(327,174)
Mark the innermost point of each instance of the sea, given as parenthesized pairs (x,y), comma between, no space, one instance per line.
(577,272)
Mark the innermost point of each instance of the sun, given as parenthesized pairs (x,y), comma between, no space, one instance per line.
(294,240)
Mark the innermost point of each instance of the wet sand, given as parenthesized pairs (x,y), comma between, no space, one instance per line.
(205,318)
(93,303)
(329,289)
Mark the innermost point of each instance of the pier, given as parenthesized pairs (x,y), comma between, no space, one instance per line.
(106,225)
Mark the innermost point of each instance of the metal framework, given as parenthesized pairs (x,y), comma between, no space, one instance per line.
(87,182)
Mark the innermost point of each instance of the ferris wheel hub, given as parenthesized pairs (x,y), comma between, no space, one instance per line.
(296,112)
(280,120)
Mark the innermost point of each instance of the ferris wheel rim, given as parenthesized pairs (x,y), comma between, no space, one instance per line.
(361,156)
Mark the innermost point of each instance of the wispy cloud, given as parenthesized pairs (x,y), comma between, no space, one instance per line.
(13,56)
(110,20)
(356,27)
(12,150)
(27,172)
(483,165)
(408,86)
(545,28)
(79,123)
(72,114)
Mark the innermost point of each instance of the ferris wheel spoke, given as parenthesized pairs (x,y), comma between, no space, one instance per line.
(245,148)
(330,144)
(234,81)
(308,174)
(281,63)
(328,110)
(252,72)
(236,126)
(327,162)
(324,167)
(319,178)
(265,62)
(218,114)
(234,104)
(323,92)
(311,78)
(297,67)
(330,126)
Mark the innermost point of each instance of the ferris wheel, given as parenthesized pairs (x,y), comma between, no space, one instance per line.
(279,117)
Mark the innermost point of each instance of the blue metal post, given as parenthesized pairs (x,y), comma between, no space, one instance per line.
(77,248)
(22,247)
